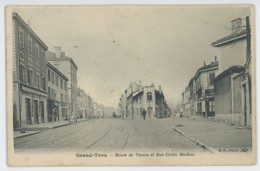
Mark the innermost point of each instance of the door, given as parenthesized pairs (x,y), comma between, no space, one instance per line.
(36,115)
(245,105)
(28,111)
(42,111)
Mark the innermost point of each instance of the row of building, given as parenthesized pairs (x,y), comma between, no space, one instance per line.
(45,86)
(223,88)
(137,98)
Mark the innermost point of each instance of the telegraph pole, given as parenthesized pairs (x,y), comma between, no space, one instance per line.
(248,36)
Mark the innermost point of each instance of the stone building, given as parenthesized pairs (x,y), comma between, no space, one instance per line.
(136,98)
(68,67)
(82,104)
(57,94)
(29,75)
(233,95)
(198,97)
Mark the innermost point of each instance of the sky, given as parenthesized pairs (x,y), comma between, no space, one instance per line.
(114,45)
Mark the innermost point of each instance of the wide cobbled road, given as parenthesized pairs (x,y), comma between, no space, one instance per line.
(109,135)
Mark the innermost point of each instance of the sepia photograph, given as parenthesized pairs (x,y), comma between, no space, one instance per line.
(131,85)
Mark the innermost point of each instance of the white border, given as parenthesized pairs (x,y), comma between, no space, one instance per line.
(3,134)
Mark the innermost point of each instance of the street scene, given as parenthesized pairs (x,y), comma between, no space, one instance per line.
(100,80)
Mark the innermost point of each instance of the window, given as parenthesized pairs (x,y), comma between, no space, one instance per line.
(49,92)
(149,96)
(21,38)
(38,80)
(30,77)
(30,46)
(61,97)
(49,75)
(211,79)
(21,55)
(22,73)
(37,52)
(52,77)
(211,106)
(43,83)
(56,80)
(61,83)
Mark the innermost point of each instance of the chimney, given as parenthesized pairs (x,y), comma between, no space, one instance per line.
(215,58)
(204,63)
(58,52)
(62,54)
(236,25)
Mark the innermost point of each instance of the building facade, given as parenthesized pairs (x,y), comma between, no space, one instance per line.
(198,97)
(57,94)
(29,75)
(136,98)
(186,105)
(234,100)
(82,104)
(68,67)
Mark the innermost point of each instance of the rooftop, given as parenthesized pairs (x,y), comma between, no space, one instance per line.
(240,34)
(51,56)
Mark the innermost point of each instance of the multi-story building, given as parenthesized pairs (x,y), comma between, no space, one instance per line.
(68,67)
(136,98)
(198,97)
(57,94)
(233,100)
(29,75)
(90,109)
(204,87)
(186,102)
(82,104)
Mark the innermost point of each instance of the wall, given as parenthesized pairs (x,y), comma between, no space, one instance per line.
(233,54)
(222,95)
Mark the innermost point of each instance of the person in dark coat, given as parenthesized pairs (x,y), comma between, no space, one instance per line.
(144,113)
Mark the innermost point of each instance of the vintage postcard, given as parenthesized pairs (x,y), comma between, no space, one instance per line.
(136,85)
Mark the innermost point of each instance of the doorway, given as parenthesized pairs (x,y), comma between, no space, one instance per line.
(28,111)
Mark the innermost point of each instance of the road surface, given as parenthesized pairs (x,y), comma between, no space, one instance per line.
(109,135)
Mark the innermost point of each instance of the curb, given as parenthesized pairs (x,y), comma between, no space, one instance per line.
(57,126)
(199,143)
(21,136)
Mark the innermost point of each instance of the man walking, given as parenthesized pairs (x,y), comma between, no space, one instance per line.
(144,113)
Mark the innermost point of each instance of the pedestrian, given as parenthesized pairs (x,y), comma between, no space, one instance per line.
(144,113)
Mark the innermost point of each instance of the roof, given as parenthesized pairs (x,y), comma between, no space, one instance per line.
(56,70)
(51,56)
(137,93)
(17,16)
(232,69)
(237,35)
(211,66)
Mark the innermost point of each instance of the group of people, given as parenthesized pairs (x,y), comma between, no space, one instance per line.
(143,113)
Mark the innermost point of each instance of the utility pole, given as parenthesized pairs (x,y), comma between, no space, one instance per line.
(248,36)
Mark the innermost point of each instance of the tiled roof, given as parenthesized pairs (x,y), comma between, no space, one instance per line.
(50,56)
(235,36)
(206,67)
(231,69)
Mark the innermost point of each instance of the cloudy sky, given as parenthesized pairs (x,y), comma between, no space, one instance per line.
(115,45)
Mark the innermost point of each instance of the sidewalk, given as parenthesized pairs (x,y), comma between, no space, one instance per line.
(214,136)
(35,129)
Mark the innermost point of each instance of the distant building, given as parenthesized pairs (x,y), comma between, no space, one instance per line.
(29,75)
(233,94)
(68,67)
(186,102)
(82,104)
(136,98)
(57,94)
